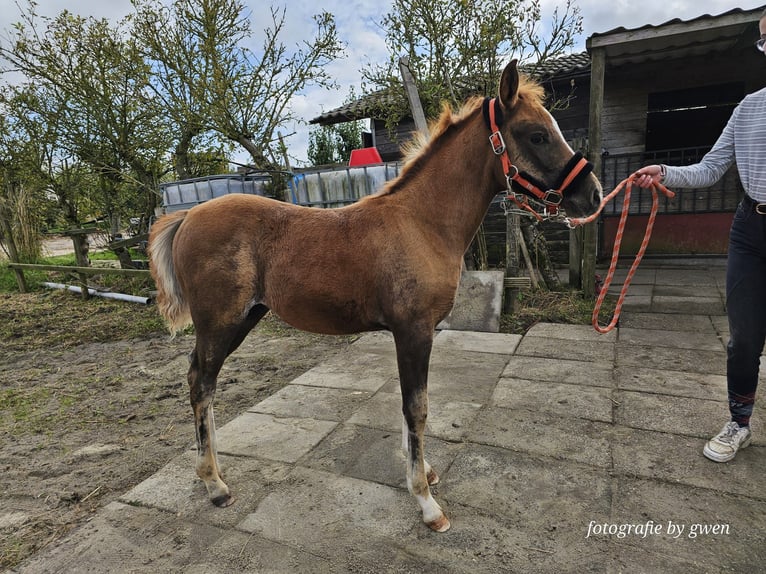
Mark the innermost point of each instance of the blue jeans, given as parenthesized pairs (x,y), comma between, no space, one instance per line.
(746,307)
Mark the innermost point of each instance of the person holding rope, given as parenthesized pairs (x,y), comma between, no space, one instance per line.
(743,141)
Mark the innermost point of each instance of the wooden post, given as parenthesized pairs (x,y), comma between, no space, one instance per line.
(81,247)
(589,236)
(13,253)
(575,257)
(511,302)
(412,95)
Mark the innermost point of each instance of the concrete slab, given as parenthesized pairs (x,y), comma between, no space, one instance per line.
(460,376)
(637,303)
(597,374)
(695,279)
(716,530)
(556,499)
(298,401)
(176,489)
(123,537)
(678,459)
(375,455)
(497,343)
(691,360)
(664,322)
(352,370)
(678,383)
(592,403)
(543,434)
(665,413)
(478,303)
(696,305)
(376,343)
(317,505)
(601,350)
(272,438)
(446,419)
(570,332)
(706,341)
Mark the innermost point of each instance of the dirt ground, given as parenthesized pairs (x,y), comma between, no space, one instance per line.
(86,414)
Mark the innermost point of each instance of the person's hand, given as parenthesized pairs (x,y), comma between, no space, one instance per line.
(648,176)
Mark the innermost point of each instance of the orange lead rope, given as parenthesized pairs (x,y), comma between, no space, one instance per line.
(627,184)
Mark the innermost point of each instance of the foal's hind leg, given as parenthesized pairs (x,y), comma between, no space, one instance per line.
(210,351)
(413,351)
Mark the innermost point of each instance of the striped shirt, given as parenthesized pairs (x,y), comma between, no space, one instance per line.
(743,140)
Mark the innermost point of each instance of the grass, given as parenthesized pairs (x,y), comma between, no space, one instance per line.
(539,306)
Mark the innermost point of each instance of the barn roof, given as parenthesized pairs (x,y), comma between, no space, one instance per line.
(368,104)
(704,35)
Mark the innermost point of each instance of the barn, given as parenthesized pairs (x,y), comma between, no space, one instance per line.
(653,94)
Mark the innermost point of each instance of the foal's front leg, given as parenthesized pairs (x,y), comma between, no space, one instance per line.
(413,353)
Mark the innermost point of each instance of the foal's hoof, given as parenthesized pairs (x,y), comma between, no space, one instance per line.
(223,500)
(441,524)
(432,478)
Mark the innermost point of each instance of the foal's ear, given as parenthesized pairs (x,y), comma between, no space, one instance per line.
(509,85)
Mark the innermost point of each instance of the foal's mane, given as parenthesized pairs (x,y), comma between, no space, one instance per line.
(417,150)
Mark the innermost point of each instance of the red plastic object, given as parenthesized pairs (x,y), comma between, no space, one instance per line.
(364,156)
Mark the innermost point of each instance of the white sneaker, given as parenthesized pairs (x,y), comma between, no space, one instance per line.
(724,446)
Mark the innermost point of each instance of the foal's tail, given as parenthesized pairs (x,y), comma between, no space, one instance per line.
(170,300)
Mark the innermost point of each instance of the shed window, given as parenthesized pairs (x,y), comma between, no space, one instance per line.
(692,117)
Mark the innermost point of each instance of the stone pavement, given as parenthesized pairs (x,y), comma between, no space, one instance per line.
(560,451)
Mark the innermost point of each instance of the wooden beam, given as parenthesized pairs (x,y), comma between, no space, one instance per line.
(589,236)
(698,25)
(412,96)
(80,270)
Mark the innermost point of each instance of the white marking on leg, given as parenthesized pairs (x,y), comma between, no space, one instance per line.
(405,437)
(432,512)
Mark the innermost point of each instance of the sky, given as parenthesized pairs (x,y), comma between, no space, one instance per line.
(357,24)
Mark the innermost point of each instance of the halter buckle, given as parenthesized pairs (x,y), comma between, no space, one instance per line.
(497,143)
(552,197)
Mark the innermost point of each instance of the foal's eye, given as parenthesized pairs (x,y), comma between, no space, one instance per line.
(537,138)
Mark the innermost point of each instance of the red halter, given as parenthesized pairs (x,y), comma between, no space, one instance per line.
(551,198)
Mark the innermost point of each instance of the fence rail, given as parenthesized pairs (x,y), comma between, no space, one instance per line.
(722,197)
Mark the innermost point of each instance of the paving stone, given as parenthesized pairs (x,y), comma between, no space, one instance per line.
(498,343)
(175,488)
(597,374)
(565,438)
(678,383)
(596,351)
(375,455)
(352,370)
(446,419)
(460,376)
(679,459)
(665,322)
(556,498)
(318,505)
(121,538)
(299,401)
(736,547)
(690,360)
(272,438)
(570,332)
(376,343)
(593,403)
(696,305)
(636,303)
(665,413)
(705,341)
